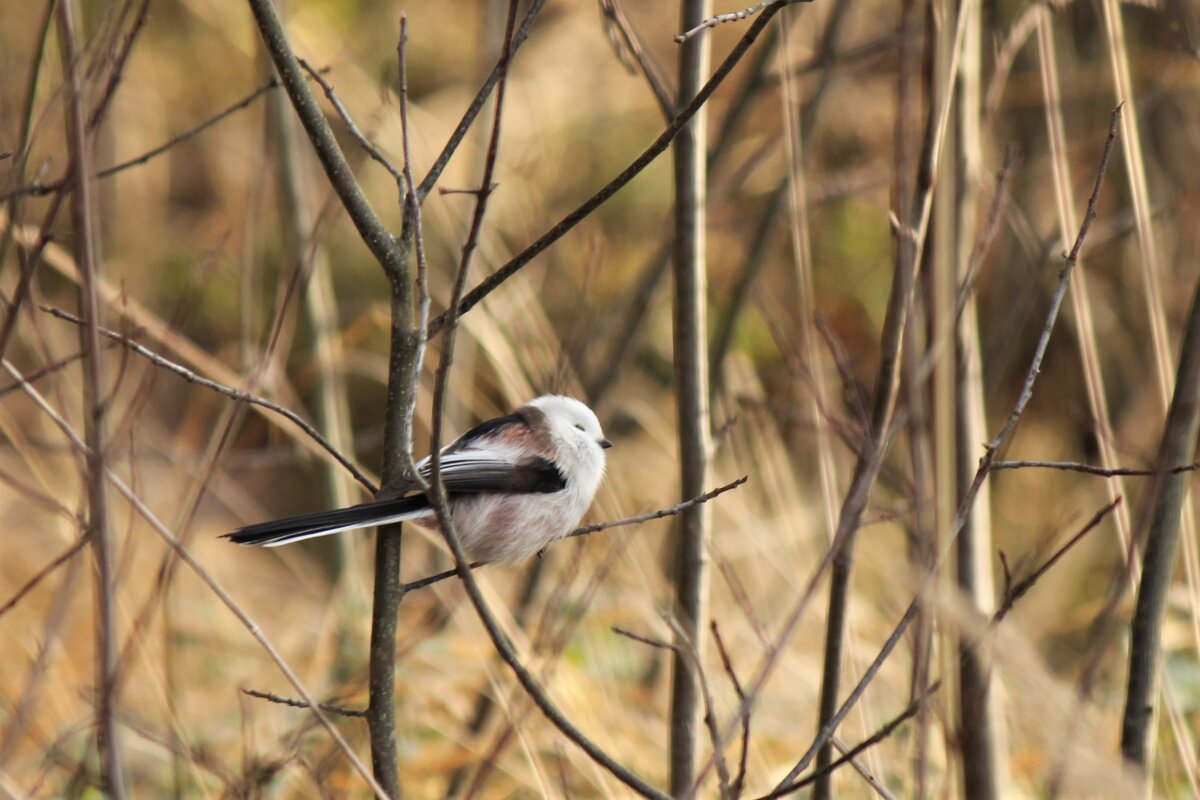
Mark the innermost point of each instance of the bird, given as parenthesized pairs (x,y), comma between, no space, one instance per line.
(515,484)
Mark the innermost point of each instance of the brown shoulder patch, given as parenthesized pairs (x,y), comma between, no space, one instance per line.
(535,428)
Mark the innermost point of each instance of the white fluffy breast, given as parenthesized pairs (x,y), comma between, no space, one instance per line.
(510,527)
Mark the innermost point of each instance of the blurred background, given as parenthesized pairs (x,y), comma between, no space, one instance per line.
(227,253)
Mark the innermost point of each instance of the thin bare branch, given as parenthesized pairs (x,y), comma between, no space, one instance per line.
(877,737)
(1015,591)
(739,780)
(42,574)
(628,46)
(1089,469)
(828,728)
(366,144)
(237,394)
(664,512)
(586,530)
(207,578)
(862,770)
(986,462)
(87,257)
(375,235)
(438,497)
(339,711)
(43,372)
(984,242)
(712,22)
(687,648)
(1064,280)
(464,125)
(37,189)
(657,644)
(116,69)
(653,151)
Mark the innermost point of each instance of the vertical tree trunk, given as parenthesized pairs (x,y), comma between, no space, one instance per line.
(978,732)
(691,394)
(1178,446)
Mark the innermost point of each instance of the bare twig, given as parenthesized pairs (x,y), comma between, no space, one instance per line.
(550,643)
(340,711)
(656,148)
(446,190)
(237,394)
(366,144)
(37,189)
(664,512)
(831,725)
(222,594)
(739,780)
(630,47)
(1015,591)
(1064,280)
(438,577)
(460,131)
(43,372)
(42,574)
(585,530)
(83,219)
(989,457)
(378,239)
(862,770)
(712,22)
(641,638)
(877,737)
(687,648)
(438,496)
(117,66)
(1089,469)
(984,241)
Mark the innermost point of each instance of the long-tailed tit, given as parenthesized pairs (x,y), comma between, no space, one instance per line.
(515,483)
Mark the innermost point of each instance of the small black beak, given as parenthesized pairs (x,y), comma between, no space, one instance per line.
(605,444)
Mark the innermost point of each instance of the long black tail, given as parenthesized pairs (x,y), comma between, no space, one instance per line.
(323,523)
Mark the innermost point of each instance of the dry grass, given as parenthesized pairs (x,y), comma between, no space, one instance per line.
(197,262)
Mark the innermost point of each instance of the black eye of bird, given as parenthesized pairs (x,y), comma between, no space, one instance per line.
(578,426)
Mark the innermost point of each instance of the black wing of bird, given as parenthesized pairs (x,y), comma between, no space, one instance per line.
(463,472)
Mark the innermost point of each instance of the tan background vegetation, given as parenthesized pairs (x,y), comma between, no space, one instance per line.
(196,256)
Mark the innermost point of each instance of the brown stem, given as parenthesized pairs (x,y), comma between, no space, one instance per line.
(689,326)
(656,148)
(1178,444)
(83,212)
